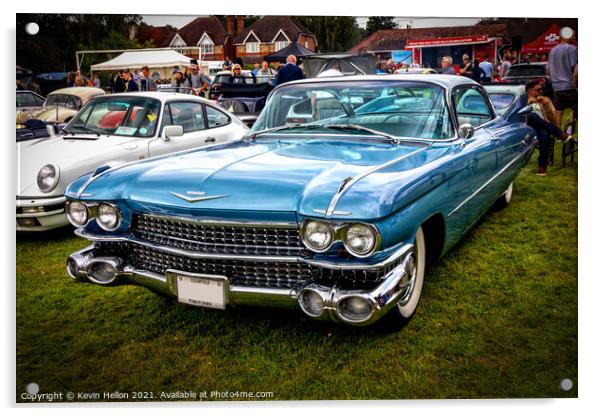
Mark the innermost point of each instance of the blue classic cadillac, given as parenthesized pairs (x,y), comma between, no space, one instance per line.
(345,188)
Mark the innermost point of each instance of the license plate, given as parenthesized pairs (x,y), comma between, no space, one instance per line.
(207,292)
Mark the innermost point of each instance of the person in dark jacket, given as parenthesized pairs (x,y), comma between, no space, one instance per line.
(477,72)
(290,71)
(130,83)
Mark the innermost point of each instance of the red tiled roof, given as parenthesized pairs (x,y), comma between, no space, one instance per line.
(161,36)
(393,39)
(193,31)
(268,27)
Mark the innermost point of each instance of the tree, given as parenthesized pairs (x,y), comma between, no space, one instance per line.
(379,22)
(333,33)
(61,35)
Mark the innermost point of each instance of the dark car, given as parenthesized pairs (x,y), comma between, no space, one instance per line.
(244,100)
(224,77)
(524,73)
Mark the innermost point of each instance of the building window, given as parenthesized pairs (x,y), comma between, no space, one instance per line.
(252,47)
(207,49)
(281,44)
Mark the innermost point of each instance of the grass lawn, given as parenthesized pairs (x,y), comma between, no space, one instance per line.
(498,318)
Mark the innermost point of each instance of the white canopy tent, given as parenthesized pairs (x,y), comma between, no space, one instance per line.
(160,61)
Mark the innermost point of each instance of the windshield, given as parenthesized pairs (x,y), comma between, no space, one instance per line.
(118,115)
(527,71)
(401,109)
(228,79)
(64,100)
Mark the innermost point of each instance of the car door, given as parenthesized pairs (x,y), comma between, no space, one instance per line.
(220,127)
(471,106)
(27,102)
(191,116)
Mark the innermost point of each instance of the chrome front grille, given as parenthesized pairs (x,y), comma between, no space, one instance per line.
(268,273)
(217,238)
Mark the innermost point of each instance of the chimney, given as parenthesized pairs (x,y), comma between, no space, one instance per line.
(240,24)
(230,25)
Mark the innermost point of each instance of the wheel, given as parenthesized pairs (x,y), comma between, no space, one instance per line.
(406,307)
(504,200)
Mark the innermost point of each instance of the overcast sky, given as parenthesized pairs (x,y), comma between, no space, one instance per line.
(180,20)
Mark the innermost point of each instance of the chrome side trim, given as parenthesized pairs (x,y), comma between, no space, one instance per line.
(475,193)
(323,212)
(335,199)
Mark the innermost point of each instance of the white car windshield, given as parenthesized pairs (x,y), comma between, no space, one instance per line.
(117,115)
(401,109)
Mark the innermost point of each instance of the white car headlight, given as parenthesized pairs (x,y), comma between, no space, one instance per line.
(48,177)
(77,213)
(108,217)
(360,239)
(317,235)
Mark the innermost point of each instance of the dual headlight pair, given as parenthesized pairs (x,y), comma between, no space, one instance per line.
(107,215)
(359,239)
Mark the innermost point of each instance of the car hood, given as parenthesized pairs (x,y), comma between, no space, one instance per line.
(300,176)
(74,156)
(53,114)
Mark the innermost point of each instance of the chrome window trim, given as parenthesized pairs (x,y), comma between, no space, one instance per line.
(491,179)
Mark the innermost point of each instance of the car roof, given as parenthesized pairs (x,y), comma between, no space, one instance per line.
(161,96)
(78,91)
(445,81)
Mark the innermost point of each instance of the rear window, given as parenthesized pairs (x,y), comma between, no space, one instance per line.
(527,71)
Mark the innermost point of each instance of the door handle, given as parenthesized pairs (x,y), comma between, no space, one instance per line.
(210,140)
(495,140)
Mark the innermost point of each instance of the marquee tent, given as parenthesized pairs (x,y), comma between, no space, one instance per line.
(160,61)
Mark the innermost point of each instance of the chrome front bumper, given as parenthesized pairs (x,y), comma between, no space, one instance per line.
(83,266)
(40,214)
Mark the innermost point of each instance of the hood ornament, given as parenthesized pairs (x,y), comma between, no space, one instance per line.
(200,196)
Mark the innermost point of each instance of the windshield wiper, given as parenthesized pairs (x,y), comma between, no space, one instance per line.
(392,138)
(283,127)
(87,129)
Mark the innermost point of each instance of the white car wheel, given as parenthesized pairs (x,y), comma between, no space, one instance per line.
(414,282)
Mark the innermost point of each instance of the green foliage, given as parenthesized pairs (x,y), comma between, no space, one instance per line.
(333,33)
(61,35)
(379,22)
(497,319)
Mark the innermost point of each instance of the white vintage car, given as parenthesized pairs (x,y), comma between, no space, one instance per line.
(108,131)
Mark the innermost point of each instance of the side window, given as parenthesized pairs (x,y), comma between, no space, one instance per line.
(26,100)
(471,106)
(216,118)
(187,114)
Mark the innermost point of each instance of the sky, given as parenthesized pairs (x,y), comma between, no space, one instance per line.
(181,20)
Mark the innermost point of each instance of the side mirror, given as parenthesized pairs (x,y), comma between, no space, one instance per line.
(465,131)
(51,130)
(525,110)
(171,132)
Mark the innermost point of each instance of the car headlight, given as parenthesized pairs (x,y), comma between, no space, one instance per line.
(317,235)
(77,213)
(48,177)
(108,217)
(360,239)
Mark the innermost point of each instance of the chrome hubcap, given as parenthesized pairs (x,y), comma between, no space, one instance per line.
(408,282)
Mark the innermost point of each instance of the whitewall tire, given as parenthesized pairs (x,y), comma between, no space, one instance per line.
(407,305)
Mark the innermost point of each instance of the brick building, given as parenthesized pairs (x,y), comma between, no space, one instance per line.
(270,34)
